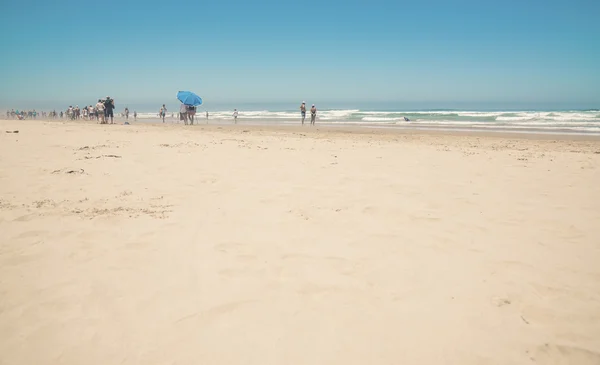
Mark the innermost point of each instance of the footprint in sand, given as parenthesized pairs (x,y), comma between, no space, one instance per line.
(30,234)
(500,301)
(339,264)
(565,355)
(234,248)
(26,217)
(215,312)
(20,259)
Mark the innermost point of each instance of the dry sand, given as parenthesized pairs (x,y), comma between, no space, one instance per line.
(147,244)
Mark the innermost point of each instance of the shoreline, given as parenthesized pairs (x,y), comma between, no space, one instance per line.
(327,129)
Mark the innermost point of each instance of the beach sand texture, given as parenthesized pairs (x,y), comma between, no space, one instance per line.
(147,244)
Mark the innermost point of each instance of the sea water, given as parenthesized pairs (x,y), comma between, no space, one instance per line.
(573,121)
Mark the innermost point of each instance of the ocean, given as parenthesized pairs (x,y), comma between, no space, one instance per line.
(540,121)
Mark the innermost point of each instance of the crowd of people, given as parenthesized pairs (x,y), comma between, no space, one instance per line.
(103,111)
(29,114)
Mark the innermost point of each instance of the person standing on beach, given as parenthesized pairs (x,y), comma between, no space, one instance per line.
(100,112)
(303,111)
(163,112)
(183,113)
(313,114)
(109,106)
(235,115)
(207,116)
(191,113)
(126,113)
(135,115)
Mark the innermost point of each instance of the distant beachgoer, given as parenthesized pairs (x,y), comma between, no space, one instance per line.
(191,113)
(406,119)
(303,111)
(313,114)
(235,115)
(109,106)
(207,115)
(163,112)
(100,111)
(134,115)
(183,113)
(126,113)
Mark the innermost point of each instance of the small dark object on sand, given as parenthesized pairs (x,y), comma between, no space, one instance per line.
(69,171)
(12,131)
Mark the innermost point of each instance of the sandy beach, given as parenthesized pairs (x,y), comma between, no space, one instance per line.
(165,244)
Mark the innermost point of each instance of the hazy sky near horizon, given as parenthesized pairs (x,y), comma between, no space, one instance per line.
(528,51)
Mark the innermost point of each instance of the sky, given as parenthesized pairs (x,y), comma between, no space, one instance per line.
(433,53)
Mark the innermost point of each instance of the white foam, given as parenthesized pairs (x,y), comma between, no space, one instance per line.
(563,120)
(510,119)
(381,119)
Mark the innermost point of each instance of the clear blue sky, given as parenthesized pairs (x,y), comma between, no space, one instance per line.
(429,51)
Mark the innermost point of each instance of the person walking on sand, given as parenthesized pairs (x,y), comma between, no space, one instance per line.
(313,114)
(100,111)
(303,111)
(235,115)
(183,113)
(191,112)
(109,106)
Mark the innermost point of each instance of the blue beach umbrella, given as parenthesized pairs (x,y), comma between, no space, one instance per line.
(189,98)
